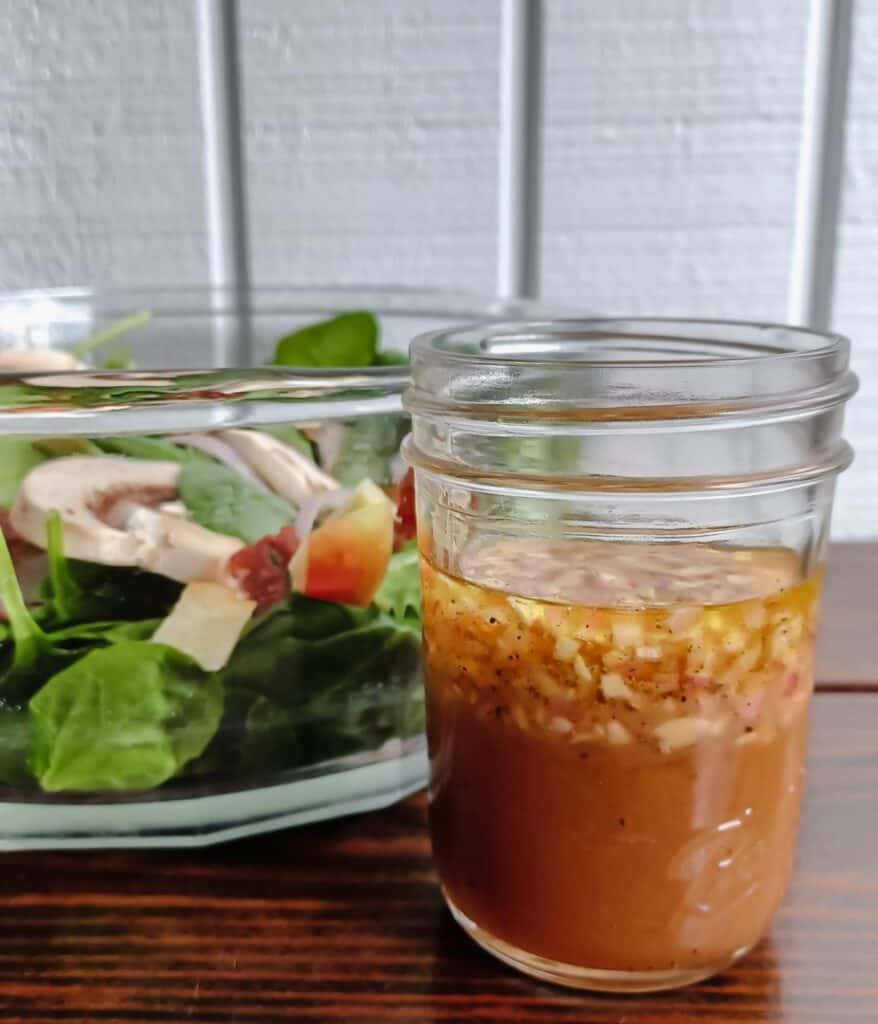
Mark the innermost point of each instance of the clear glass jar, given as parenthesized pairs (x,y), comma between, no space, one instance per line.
(222,639)
(622,526)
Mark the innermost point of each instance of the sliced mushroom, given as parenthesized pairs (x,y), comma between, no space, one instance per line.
(329,438)
(174,508)
(180,549)
(286,470)
(96,379)
(105,507)
(33,360)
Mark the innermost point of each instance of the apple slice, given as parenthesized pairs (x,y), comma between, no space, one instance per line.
(205,623)
(345,558)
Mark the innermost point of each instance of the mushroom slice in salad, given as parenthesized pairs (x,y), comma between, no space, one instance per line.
(286,471)
(107,509)
(328,438)
(35,360)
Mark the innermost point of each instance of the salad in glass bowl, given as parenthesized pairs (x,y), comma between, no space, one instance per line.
(209,583)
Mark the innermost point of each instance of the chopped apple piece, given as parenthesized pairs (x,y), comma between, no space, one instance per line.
(346,557)
(206,623)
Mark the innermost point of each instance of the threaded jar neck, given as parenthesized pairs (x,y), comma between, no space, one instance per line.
(633,405)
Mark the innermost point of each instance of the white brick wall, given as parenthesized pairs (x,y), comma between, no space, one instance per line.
(671,135)
(100,143)
(370,134)
(371,140)
(856,303)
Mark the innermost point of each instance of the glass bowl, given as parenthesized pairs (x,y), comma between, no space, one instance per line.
(210,592)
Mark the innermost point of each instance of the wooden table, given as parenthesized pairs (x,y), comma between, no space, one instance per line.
(343,921)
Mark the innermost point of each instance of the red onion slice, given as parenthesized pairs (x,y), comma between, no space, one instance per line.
(398,468)
(224,453)
(313,505)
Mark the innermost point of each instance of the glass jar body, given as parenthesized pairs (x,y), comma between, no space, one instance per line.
(619,613)
(615,786)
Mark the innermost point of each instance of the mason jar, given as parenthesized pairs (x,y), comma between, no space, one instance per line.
(622,527)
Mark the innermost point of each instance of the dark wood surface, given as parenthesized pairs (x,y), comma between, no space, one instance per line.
(343,921)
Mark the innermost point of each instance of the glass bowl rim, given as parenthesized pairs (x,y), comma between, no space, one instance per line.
(235,394)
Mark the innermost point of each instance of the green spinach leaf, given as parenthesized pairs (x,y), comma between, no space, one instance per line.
(347,340)
(269,656)
(364,679)
(270,738)
(98,595)
(14,746)
(368,446)
(108,594)
(121,359)
(388,357)
(219,499)
(28,657)
(19,395)
(18,456)
(85,634)
(56,447)
(63,590)
(105,335)
(399,595)
(125,717)
(147,448)
(313,680)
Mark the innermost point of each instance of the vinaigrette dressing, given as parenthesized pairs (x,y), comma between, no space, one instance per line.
(617,737)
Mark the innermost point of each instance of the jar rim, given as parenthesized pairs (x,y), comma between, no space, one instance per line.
(628,368)
(493,334)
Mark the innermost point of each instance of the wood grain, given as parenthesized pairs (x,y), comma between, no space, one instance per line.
(343,922)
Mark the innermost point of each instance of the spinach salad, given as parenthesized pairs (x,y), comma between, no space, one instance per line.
(218,606)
